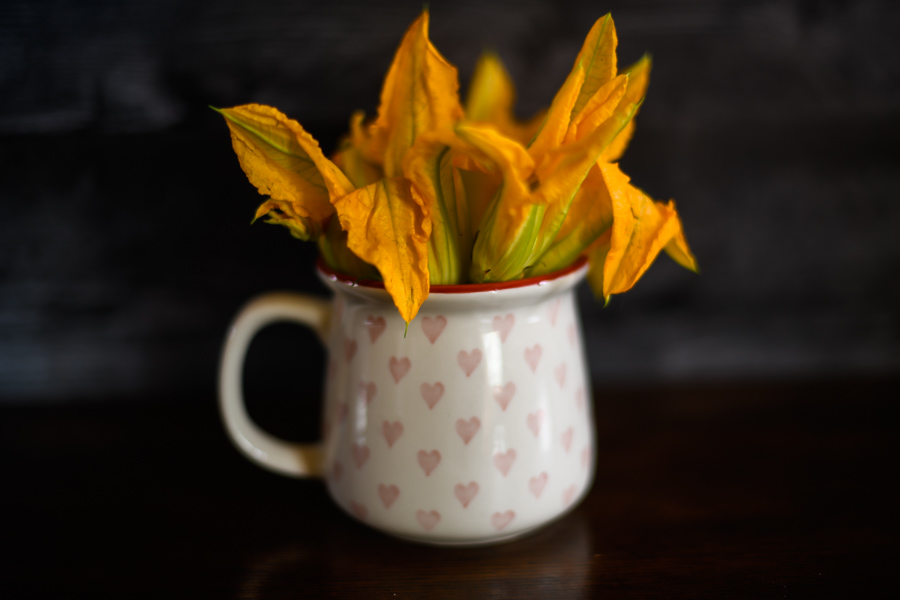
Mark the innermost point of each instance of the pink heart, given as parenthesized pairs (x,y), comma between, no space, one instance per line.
(503,395)
(336,471)
(536,484)
(503,325)
(501,519)
(567,438)
(432,393)
(388,494)
(560,373)
(504,460)
(359,510)
(399,368)
(585,457)
(534,421)
(579,398)
(569,495)
(349,349)
(465,493)
(468,361)
(429,461)
(368,391)
(533,356)
(392,432)
(428,520)
(434,327)
(360,455)
(571,332)
(468,429)
(553,311)
(375,326)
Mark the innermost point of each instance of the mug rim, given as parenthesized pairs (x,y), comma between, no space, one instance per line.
(457,288)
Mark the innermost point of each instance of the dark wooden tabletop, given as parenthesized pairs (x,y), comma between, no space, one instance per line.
(784,490)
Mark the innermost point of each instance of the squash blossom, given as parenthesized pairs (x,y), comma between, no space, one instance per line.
(432,191)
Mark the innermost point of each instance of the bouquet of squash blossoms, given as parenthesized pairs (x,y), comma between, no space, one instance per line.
(432,191)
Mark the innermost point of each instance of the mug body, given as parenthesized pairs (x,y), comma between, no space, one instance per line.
(473,425)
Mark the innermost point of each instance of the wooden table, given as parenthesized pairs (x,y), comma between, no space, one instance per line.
(718,491)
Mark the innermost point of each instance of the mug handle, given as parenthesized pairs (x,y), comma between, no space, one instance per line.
(270,452)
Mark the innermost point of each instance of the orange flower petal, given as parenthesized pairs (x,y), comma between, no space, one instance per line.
(387,228)
(677,248)
(599,108)
(553,130)
(641,228)
(638,79)
(283,161)
(420,94)
(598,58)
(588,217)
(492,97)
(428,166)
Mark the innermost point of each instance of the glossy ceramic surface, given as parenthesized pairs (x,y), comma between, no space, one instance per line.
(470,427)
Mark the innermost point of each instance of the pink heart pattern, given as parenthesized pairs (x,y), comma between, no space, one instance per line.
(465,493)
(388,493)
(534,421)
(503,325)
(359,510)
(376,327)
(468,429)
(553,311)
(468,361)
(504,460)
(537,483)
(501,519)
(567,438)
(392,432)
(433,328)
(569,495)
(533,357)
(360,455)
(429,461)
(504,395)
(399,368)
(367,390)
(432,393)
(560,373)
(428,519)
(349,349)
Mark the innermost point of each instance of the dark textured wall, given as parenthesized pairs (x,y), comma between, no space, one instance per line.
(124,238)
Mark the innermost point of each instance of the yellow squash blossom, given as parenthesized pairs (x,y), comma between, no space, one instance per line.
(620,226)
(431,193)
(387,225)
(491,99)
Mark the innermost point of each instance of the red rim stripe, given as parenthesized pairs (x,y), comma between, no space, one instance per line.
(461,288)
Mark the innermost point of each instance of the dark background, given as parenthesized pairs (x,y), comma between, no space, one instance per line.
(125,243)
(746,417)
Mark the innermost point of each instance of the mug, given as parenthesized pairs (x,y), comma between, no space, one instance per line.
(472,425)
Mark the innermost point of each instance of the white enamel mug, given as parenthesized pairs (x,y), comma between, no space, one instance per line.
(473,426)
